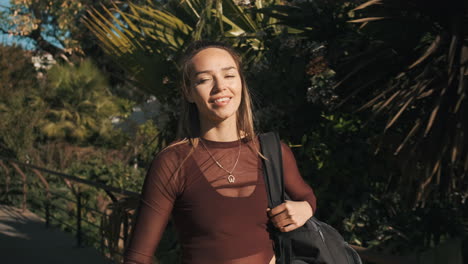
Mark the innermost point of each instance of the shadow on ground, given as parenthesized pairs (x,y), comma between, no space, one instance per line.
(25,239)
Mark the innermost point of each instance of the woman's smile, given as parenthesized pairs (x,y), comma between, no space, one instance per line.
(221,101)
(216,86)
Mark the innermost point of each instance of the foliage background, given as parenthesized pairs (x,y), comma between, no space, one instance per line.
(336,91)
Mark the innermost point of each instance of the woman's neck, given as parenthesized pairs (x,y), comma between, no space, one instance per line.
(223,131)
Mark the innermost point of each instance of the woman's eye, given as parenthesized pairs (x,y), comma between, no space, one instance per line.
(202,81)
(230,76)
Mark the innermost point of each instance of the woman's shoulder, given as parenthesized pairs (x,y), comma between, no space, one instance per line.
(175,150)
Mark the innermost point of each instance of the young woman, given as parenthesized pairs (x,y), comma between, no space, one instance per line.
(211,180)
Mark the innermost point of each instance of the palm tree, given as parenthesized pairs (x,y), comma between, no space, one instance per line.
(407,62)
(146,39)
(80,105)
(414,71)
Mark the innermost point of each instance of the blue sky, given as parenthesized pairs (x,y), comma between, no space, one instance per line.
(8,40)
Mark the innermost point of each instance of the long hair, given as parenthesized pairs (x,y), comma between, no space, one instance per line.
(189,123)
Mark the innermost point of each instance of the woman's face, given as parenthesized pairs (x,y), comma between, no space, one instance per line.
(216,86)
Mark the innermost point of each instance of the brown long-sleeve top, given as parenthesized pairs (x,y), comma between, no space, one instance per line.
(218,222)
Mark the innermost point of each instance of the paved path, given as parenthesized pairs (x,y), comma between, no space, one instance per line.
(24,239)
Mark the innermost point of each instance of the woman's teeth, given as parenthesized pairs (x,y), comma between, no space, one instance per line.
(224,99)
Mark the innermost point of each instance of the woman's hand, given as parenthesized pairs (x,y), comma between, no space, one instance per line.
(290,215)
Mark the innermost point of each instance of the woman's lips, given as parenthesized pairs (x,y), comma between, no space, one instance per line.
(222,101)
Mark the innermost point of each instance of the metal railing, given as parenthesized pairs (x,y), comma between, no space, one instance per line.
(81,210)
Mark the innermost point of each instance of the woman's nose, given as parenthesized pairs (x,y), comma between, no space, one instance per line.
(219,85)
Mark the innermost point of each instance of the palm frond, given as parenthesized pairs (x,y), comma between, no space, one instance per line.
(430,50)
(367,4)
(367,19)
(426,93)
(145,38)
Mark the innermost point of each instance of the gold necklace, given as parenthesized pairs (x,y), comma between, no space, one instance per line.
(230,178)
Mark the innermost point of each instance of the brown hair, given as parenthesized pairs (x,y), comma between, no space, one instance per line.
(189,123)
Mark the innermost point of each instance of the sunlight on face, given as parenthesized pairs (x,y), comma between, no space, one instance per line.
(216,86)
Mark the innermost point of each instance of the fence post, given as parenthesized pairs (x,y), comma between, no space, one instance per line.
(78,220)
(47,203)
(7,178)
(47,214)
(125,228)
(25,187)
(101,232)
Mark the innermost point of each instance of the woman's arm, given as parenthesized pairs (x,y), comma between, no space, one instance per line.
(157,199)
(294,184)
(293,214)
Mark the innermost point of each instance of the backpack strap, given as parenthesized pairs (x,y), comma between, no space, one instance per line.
(274,185)
(273,168)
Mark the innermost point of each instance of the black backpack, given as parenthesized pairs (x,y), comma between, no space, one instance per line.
(315,242)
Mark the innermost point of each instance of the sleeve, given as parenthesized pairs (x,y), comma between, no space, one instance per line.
(294,184)
(160,189)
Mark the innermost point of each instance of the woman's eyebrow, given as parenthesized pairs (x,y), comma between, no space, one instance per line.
(223,69)
(228,68)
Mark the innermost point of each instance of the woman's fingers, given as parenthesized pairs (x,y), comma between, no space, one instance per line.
(289,228)
(280,216)
(284,207)
(282,221)
(290,215)
(285,222)
(277,210)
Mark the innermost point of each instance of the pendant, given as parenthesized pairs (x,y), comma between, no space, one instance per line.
(231,178)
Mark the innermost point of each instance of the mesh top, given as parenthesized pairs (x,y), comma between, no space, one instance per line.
(217,221)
